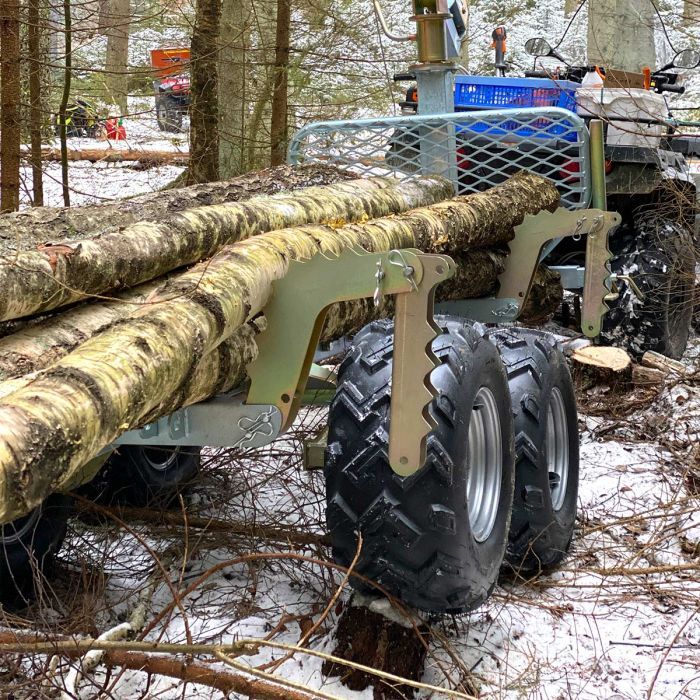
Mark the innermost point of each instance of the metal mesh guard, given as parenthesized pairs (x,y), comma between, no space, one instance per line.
(475,150)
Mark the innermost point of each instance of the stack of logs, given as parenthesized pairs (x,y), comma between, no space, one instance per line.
(104,333)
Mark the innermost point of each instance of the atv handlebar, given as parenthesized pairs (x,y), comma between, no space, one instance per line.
(666,87)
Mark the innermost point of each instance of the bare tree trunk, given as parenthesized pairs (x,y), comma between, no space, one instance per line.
(204,112)
(570,6)
(64,101)
(9,105)
(35,67)
(691,12)
(278,122)
(233,99)
(621,34)
(117,58)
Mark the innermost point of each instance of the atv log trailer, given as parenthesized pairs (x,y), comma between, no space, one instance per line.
(421,455)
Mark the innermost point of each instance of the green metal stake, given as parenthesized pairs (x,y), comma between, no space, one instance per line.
(599,195)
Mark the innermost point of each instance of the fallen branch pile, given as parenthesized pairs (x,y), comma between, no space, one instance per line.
(80,378)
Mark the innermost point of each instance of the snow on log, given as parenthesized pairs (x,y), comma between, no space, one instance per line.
(25,229)
(150,364)
(65,272)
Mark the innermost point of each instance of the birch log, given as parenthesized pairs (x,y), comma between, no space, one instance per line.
(63,273)
(25,229)
(149,364)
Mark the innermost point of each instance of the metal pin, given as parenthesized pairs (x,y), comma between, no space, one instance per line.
(379,276)
(408,270)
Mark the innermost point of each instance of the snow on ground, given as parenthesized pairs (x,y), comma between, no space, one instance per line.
(92,183)
(619,620)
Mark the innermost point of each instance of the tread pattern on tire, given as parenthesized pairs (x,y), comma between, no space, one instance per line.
(412,527)
(646,251)
(539,537)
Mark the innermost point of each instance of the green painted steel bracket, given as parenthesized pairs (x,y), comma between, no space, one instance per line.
(516,280)
(295,316)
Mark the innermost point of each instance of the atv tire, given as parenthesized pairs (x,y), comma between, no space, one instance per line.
(659,256)
(146,476)
(168,115)
(546,449)
(27,549)
(423,538)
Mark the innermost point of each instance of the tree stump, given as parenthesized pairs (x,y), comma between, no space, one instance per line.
(601,365)
(368,636)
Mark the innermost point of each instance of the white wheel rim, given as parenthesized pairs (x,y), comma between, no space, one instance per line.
(557,449)
(485,468)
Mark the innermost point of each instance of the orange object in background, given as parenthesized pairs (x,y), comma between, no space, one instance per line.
(170,61)
(646,72)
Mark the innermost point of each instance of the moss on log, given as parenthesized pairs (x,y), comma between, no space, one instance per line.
(151,363)
(60,274)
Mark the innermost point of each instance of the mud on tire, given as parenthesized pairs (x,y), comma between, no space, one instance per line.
(546,449)
(420,540)
(658,254)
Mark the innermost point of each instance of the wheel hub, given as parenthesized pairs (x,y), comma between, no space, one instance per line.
(557,449)
(160,459)
(17,530)
(485,450)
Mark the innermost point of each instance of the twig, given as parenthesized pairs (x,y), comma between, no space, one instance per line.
(331,604)
(148,515)
(668,651)
(269,677)
(361,667)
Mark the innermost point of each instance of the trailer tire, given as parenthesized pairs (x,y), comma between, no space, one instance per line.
(146,476)
(28,546)
(546,449)
(419,539)
(659,255)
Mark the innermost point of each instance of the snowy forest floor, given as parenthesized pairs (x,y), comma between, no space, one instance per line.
(619,620)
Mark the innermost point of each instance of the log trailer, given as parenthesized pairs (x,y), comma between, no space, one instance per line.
(452,439)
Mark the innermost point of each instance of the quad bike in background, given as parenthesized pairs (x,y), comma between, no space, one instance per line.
(171,86)
(647,180)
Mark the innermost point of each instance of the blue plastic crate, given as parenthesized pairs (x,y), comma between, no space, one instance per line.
(474,92)
(486,92)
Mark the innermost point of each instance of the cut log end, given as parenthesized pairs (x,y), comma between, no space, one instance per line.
(595,365)
(614,360)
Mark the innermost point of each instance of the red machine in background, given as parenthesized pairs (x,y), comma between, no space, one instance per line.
(172,86)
